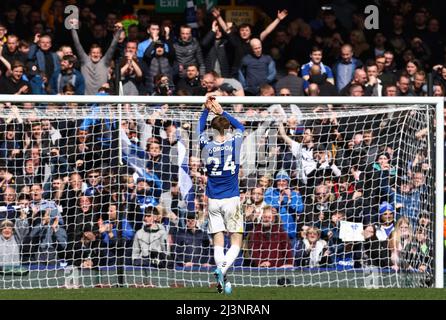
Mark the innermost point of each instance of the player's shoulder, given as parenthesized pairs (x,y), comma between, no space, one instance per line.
(238,134)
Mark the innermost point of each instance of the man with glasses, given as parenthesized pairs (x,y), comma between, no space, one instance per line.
(319,205)
(208,84)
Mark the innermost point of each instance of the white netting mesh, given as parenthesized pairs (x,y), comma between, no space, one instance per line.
(332,196)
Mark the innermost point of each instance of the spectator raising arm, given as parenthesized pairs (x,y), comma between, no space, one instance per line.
(273,25)
(217,15)
(284,136)
(4,61)
(83,56)
(111,50)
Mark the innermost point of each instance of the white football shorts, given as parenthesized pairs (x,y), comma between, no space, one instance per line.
(225,215)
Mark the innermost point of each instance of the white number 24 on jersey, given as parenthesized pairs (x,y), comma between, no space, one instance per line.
(228,166)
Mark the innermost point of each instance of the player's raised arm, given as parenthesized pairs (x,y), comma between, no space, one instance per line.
(204,117)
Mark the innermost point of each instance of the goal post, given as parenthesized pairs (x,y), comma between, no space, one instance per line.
(406,128)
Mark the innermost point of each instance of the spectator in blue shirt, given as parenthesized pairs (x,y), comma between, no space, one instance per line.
(146,194)
(345,68)
(116,235)
(67,75)
(288,203)
(316,59)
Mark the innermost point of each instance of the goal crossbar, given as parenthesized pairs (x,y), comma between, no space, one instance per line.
(224,100)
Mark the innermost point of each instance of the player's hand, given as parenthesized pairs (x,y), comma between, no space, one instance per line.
(208,103)
(216,107)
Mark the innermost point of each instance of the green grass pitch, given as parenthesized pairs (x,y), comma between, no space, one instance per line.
(210,294)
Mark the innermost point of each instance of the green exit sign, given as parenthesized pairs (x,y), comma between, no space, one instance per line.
(170,6)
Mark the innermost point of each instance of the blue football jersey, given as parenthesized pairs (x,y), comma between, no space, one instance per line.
(222,162)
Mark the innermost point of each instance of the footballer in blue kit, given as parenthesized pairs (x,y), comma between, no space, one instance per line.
(221,156)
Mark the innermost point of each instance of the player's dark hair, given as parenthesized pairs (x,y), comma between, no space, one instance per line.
(220,123)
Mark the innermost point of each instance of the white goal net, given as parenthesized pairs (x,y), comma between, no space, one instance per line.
(108,194)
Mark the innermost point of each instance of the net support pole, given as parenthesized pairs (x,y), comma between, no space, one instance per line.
(439,195)
(120,252)
(121,93)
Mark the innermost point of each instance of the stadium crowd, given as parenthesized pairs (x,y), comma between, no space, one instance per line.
(65,198)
